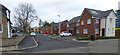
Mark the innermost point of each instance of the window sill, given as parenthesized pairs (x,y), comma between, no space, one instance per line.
(1,32)
(88,23)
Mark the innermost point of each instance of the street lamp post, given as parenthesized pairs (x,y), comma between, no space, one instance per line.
(59,25)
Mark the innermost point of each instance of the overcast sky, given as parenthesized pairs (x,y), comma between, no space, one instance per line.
(67,9)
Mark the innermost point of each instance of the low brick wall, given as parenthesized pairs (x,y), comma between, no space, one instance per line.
(117,32)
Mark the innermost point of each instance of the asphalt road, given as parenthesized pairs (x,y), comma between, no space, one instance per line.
(46,43)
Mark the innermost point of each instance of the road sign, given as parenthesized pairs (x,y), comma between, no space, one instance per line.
(95,25)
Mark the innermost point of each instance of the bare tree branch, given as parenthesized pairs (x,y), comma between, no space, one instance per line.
(25,15)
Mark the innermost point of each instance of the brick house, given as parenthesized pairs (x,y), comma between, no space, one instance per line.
(63,26)
(71,25)
(54,28)
(46,29)
(101,23)
(5,23)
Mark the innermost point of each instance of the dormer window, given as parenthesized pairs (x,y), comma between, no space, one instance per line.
(94,12)
(78,20)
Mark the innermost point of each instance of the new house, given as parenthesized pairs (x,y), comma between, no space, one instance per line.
(46,29)
(54,28)
(101,23)
(71,25)
(5,23)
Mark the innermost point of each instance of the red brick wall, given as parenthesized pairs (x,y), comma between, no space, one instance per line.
(71,25)
(63,26)
(46,29)
(90,27)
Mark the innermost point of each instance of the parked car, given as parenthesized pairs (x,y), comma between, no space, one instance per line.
(32,34)
(65,34)
(19,32)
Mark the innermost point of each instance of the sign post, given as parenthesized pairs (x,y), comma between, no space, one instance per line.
(95,25)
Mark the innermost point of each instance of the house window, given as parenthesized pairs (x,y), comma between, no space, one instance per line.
(67,25)
(110,20)
(97,21)
(1,28)
(85,31)
(78,20)
(82,22)
(77,31)
(77,24)
(88,21)
(96,31)
(113,30)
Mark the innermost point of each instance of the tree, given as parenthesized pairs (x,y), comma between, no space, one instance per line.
(25,15)
(40,23)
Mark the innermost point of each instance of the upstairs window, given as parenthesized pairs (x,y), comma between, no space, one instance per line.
(67,25)
(1,28)
(97,20)
(82,22)
(77,24)
(111,20)
(89,21)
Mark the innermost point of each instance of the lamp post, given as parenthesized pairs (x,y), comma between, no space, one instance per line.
(59,25)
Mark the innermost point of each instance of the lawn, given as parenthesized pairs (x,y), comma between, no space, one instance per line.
(53,35)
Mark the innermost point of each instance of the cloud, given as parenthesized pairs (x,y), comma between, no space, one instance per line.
(49,9)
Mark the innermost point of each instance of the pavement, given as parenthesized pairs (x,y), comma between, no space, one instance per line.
(48,44)
(11,43)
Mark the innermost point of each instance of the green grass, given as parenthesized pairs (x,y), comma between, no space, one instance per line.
(53,35)
(99,37)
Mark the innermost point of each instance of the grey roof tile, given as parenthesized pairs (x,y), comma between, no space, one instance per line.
(99,13)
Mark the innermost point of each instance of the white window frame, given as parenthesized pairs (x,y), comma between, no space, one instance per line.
(82,22)
(77,24)
(67,25)
(96,30)
(1,28)
(97,20)
(77,31)
(85,31)
(89,21)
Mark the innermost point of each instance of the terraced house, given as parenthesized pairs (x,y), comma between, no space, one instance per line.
(71,25)
(101,23)
(5,23)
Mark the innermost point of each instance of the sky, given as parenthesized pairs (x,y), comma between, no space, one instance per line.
(48,10)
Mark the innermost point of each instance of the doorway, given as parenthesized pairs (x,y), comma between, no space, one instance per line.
(103,31)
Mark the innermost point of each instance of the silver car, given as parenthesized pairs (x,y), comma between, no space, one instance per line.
(65,34)
(32,34)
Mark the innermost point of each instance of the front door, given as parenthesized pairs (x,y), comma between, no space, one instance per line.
(103,32)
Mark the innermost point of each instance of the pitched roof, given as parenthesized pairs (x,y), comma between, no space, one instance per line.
(3,12)
(54,24)
(75,19)
(99,13)
(63,21)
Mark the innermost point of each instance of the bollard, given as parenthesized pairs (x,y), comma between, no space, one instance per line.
(37,40)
